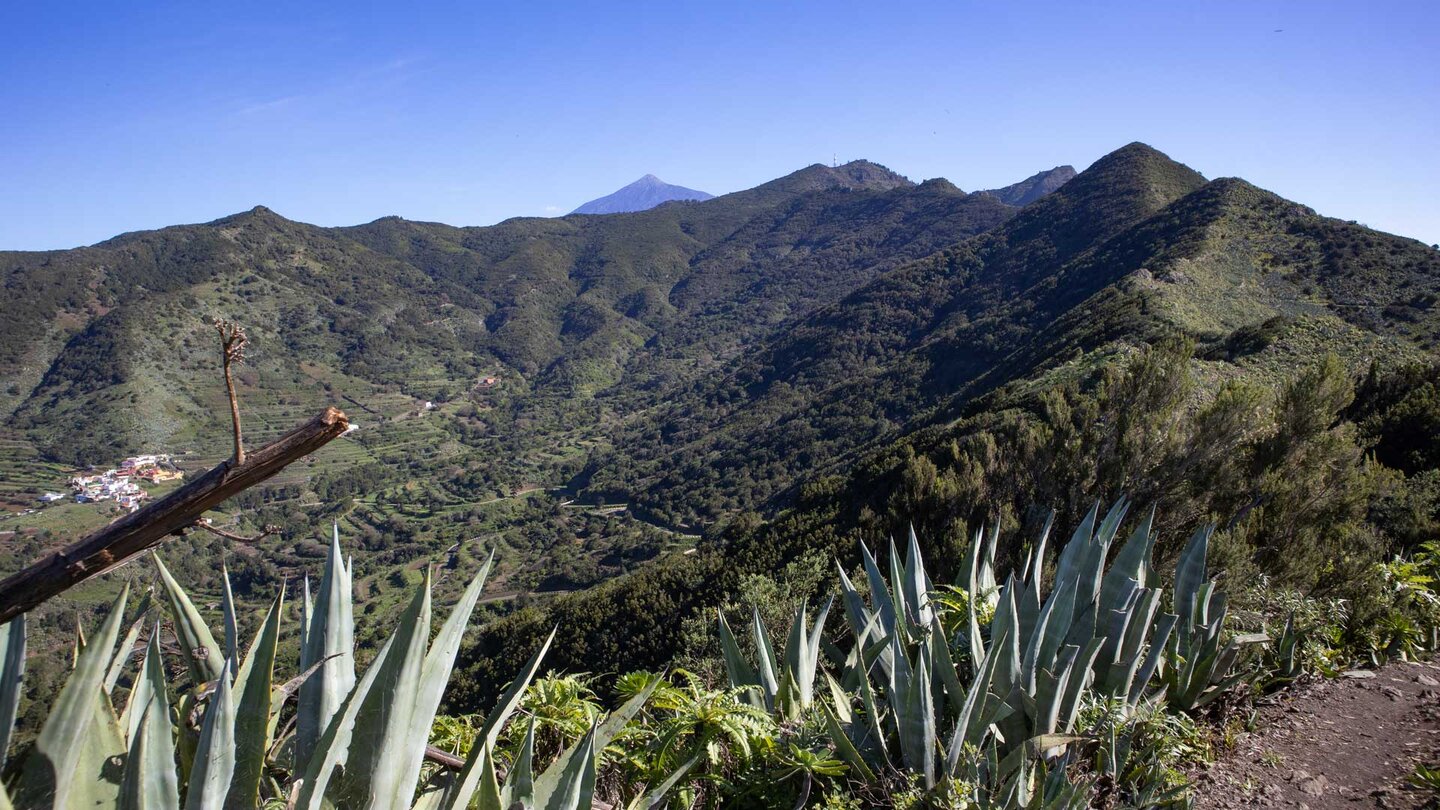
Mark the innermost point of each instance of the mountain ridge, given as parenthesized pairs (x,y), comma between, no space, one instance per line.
(947,393)
(645,193)
(706,364)
(1033,187)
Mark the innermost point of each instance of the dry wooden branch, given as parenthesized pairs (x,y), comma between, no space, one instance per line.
(232,350)
(139,531)
(443,758)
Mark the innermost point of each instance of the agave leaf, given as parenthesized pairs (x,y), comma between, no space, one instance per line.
(572,784)
(875,732)
(1086,529)
(489,794)
(1031,662)
(227,604)
(917,721)
(904,608)
(987,570)
(151,682)
(977,713)
(307,609)
(1190,573)
(790,700)
(1027,611)
(1075,684)
(1037,555)
(812,652)
(1140,631)
(879,591)
(79,645)
(1158,644)
(330,748)
(802,657)
(1057,628)
(840,699)
(127,646)
(972,554)
(486,798)
(856,613)
(945,666)
(433,793)
(656,796)
(900,674)
(737,670)
(472,773)
(972,597)
(1113,518)
(866,625)
(507,703)
(844,746)
(440,660)
(254,682)
(1131,562)
(67,767)
(769,670)
(328,633)
(520,782)
(1008,671)
(282,693)
(1122,623)
(197,646)
(12,675)
(150,781)
(917,584)
(383,772)
(215,754)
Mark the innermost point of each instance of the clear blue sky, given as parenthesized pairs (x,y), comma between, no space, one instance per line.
(125,116)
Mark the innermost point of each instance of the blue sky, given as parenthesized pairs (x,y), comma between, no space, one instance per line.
(138,115)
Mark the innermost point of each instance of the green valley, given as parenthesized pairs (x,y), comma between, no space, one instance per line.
(648,408)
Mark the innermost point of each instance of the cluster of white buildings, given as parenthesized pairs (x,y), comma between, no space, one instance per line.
(122,484)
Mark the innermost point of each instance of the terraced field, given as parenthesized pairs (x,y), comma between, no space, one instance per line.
(23,476)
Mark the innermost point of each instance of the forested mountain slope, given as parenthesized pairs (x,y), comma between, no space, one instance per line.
(1134,244)
(105,351)
(1206,346)
(482,365)
(771,372)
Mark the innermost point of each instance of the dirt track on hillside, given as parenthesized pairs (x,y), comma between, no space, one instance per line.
(1351,742)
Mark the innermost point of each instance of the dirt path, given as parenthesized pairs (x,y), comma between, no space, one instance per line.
(1344,743)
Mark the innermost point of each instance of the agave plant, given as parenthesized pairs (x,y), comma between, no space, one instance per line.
(12,673)
(1092,631)
(214,742)
(900,643)
(327,643)
(1286,662)
(786,685)
(1200,667)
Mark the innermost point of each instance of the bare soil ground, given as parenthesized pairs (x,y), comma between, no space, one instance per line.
(1351,742)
